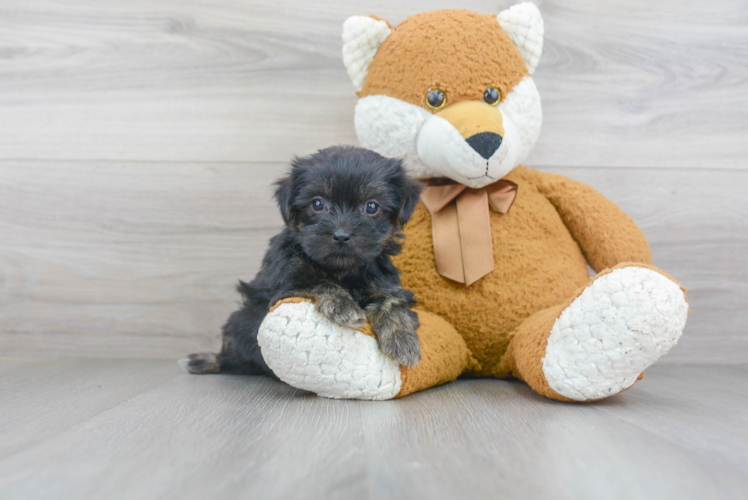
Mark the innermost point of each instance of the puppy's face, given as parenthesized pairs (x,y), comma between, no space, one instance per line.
(347,205)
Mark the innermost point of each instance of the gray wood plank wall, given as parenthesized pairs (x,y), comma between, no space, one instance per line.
(138,140)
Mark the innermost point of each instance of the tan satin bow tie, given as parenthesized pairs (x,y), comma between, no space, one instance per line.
(461,225)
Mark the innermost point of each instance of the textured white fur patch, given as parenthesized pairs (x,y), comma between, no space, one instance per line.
(307,351)
(524,25)
(390,127)
(621,324)
(362,36)
(522,107)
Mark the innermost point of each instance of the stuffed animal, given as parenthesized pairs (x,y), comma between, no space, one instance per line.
(496,253)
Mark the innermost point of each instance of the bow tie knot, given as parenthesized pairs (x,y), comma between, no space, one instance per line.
(461,225)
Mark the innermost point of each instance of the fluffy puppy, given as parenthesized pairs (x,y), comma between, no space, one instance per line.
(343,208)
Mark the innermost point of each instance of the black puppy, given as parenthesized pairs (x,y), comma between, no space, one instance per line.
(343,208)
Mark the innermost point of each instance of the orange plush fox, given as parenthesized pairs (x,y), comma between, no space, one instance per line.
(496,253)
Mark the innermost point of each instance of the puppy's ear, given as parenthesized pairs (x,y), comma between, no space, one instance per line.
(283,195)
(411,193)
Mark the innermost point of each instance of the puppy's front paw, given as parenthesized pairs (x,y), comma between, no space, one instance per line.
(402,347)
(395,325)
(341,310)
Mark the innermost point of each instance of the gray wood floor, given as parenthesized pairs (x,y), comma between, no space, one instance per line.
(137,143)
(92,428)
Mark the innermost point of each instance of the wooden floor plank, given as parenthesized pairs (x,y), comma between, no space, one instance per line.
(489,439)
(42,398)
(139,259)
(18,364)
(200,437)
(248,437)
(706,403)
(623,83)
(142,258)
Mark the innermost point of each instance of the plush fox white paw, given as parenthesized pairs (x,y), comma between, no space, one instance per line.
(616,328)
(307,351)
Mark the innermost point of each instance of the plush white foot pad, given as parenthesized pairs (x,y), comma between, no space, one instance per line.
(621,324)
(307,351)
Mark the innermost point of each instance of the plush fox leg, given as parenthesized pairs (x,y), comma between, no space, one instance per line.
(306,351)
(599,342)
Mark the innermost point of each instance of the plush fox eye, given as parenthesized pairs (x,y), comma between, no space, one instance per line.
(318,205)
(492,96)
(435,99)
(371,208)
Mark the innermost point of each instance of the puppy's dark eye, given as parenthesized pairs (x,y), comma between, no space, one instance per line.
(435,99)
(371,208)
(492,96)
(318,205)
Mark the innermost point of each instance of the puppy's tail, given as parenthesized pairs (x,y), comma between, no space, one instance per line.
(200,363)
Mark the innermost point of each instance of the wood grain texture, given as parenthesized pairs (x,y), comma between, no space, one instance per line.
(624,83)
(680,433)
(198,437)
(515,444)
(67,391)
(127,259)
(138,140)
(133,259)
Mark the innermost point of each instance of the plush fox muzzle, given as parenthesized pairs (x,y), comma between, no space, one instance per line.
(471,142)
(480,124)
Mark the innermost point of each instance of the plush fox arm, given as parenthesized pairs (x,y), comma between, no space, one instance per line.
(606,235)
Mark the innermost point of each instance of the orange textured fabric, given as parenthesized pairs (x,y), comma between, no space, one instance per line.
(524,357)
(487,58)
(290,300)
(444,356)
(604,232)
(538,265)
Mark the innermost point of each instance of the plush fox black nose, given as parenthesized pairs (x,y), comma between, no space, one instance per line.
(485,143)
(341,237)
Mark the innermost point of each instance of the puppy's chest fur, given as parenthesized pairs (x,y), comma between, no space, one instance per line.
(290,270)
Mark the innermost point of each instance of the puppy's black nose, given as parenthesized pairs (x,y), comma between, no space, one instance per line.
(341,237)
(485,143)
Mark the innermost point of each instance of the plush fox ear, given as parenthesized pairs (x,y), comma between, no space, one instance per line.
(362,36)
(524,25)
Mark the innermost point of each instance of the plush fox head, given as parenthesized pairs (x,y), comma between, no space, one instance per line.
(449,91)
